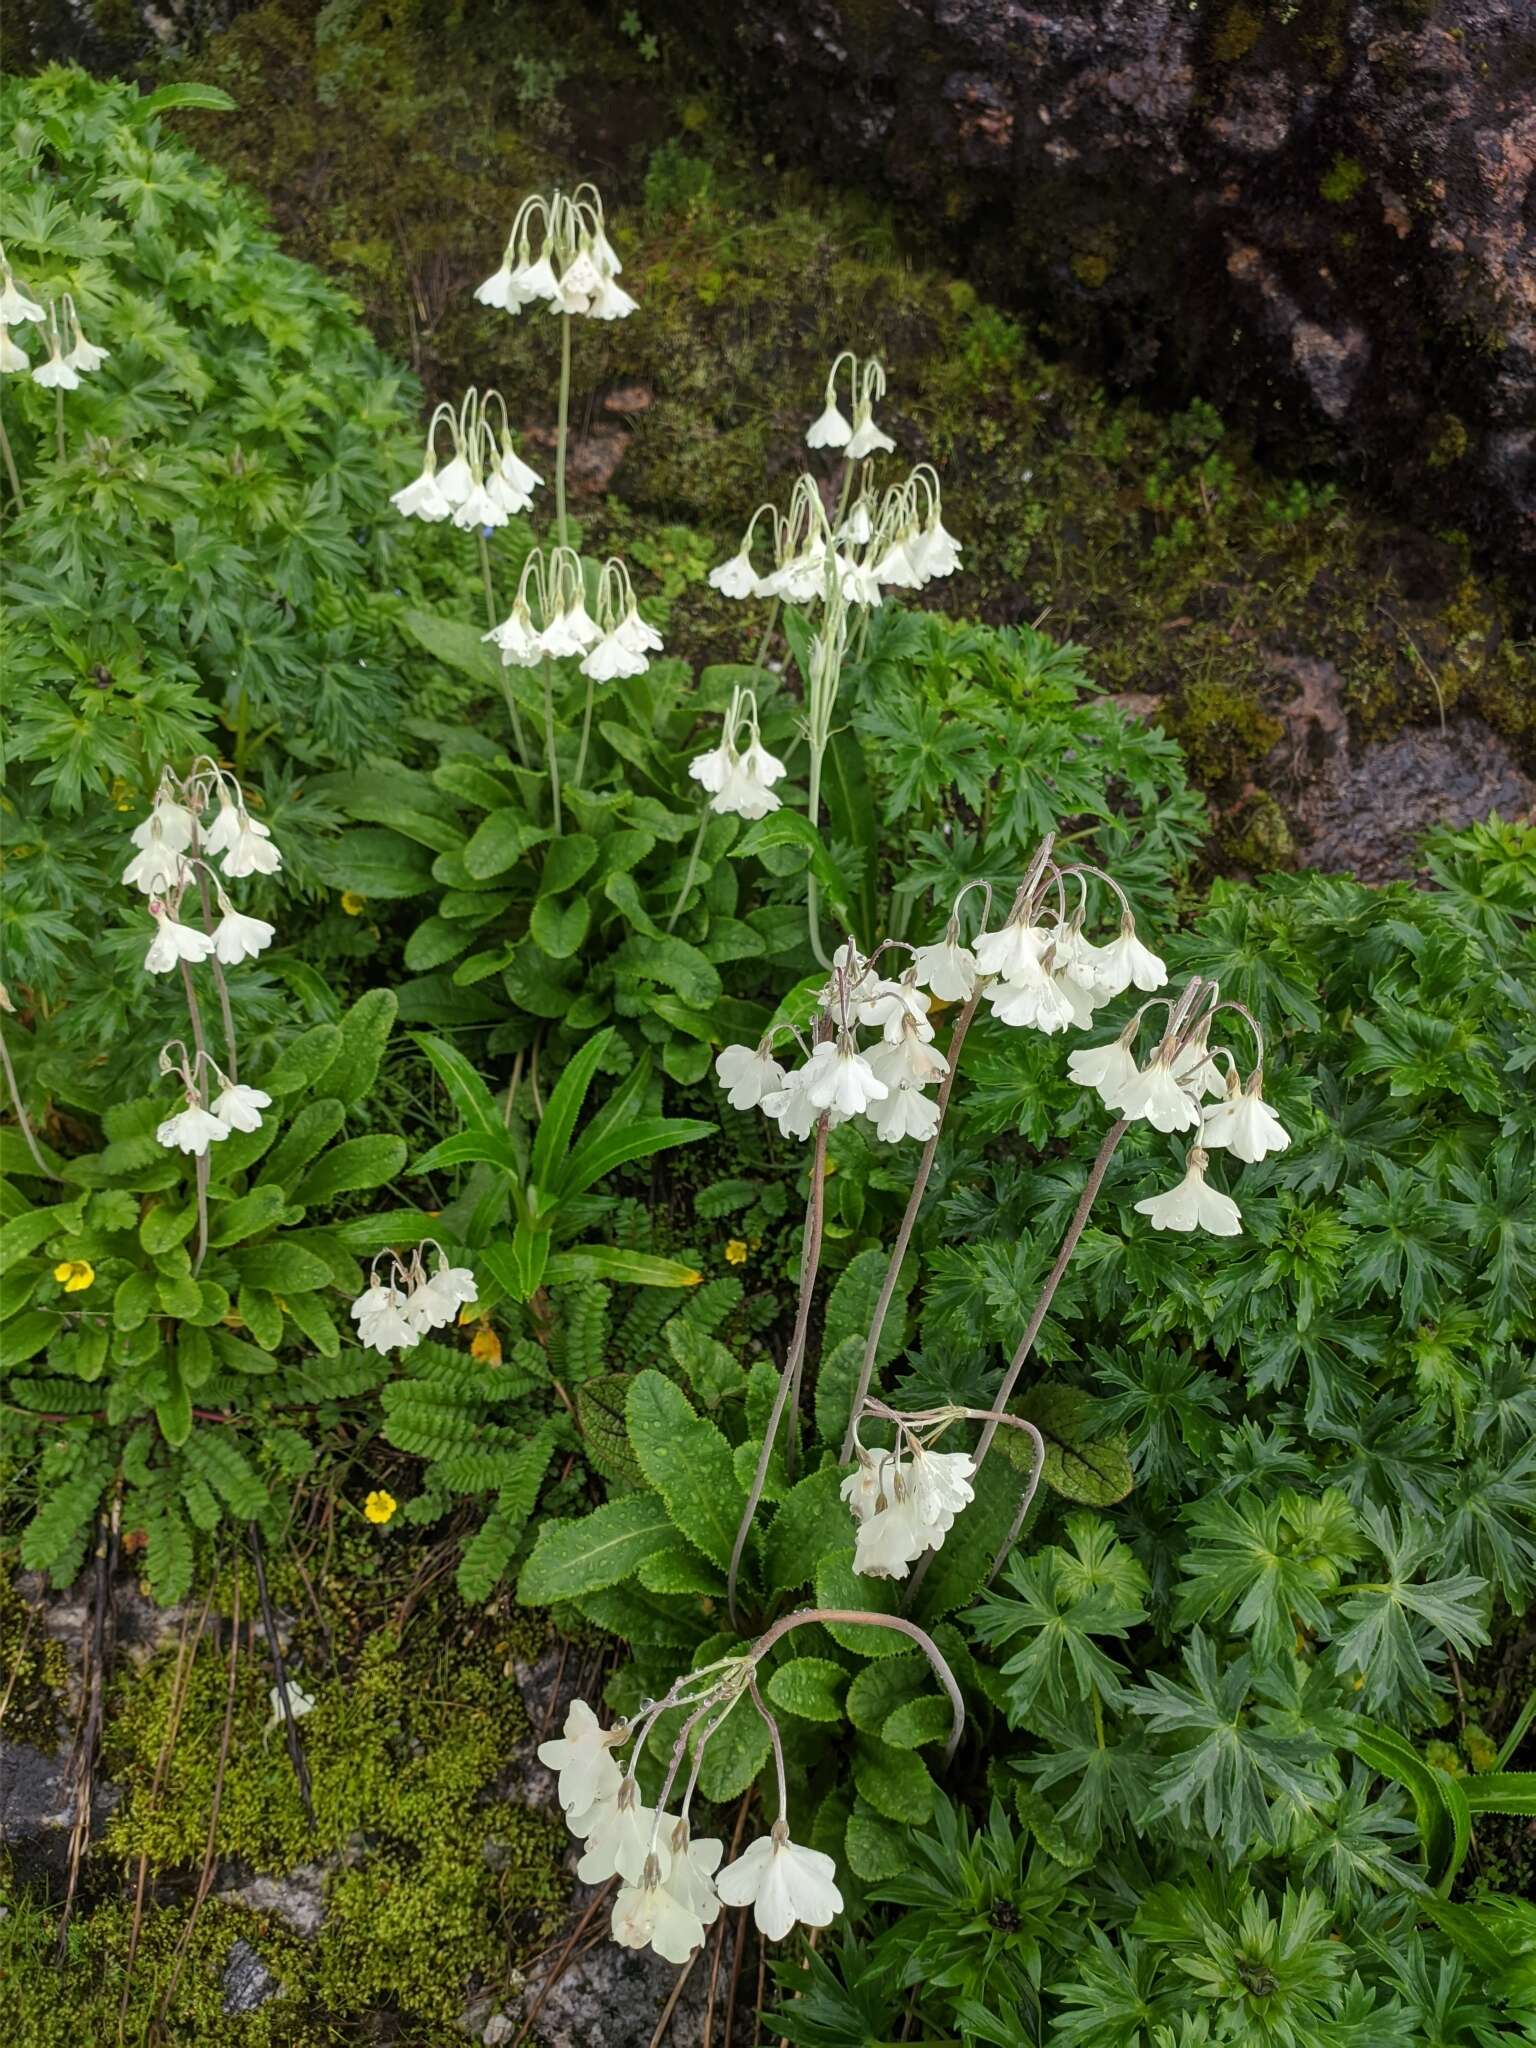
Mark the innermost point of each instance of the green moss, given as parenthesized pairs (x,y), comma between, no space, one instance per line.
(1236,31)
(34,1673)
(1255,837)
(1448,440)
(1342,180)
(1223,729)
(1090,268)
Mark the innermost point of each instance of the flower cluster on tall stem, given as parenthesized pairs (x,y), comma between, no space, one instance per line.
(403,1302)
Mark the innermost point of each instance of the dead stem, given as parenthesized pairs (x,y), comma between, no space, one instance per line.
(290,1725)
(93,1702)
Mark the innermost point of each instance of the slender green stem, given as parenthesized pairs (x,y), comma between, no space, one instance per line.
(551,757)
(693,868)
(908,1223)
(218,973)
(196,1016)
(789,1378)
(10,468)
(490,620)
(586,734)
(58,420)
(812,890)
(20,1108)
(562,431)
(759,660)
(804,1617)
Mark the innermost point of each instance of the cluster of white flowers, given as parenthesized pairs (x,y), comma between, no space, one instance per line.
(230,1106)
(484,482)
(549,619)
(904,1505)
(558,254)
(671,1886)
(63,367)
(838,1079)
(859,436)
(739,779)
(894,539)
(396,1312)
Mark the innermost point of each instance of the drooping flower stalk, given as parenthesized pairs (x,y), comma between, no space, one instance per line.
(24,1122)
(490,619)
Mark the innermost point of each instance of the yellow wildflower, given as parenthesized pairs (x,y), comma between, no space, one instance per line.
(352,903)
(378,1507)
(735,1253)
(74,1275)
(486,1345)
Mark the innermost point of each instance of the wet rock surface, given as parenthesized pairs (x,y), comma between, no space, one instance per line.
(247,1982)
(1319,216)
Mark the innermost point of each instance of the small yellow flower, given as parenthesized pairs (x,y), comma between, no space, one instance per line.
(378,1507)
(75,1275)
(736,1253)
(352,903)
(486,1346)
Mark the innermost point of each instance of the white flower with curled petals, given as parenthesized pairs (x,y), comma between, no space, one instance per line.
(947,968)
(422,498)
(866,437)
(610,302)
(240,1107)
(1126,960)
(191,1130)
(620,1842)
(237,937)
(1156,1095)
(15,306)
(1192,1205)
(583,1756)
(86,356)
(905,1113)
(894,1006)
(783,1883)
(652,1916)
(1012,952)
(748,1074)
(939,1484)
(1038,1001)
(436,1302)
(913,1062)
(1244,1125)
(174,942)
(935,552)
(169,824)
(610,660)
(735,578)
(839,1077)
(56,374)
(691,1878)
(12,356)
(1109,1068)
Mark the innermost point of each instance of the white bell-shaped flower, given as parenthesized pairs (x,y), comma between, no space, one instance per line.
(715,768)
(578,283)
(839,1077)
(1110,1069)
(1013,952)
(422,498)
(86,356)
(156,868)
(572,630)
(243,843)
(56,374)
(169,823)
(1156,1095)
(1126,961)
(905,1113)
(516,473)
(240,1107)
(382,1324)
(748,1074)
(947,968)
(939,1483)
(783,1883)
(12,356)
(1192,1205)
(651,1916)
(636,634)
(866,437)
(620,1842)
(191,1130)
(237,937)
(174,942)
(583,1756)
(478,508)
(691,1878)
(912,1062)
(15,306)
(518,638)
(934,553)
(829,429)
(735,578)
(610,302)
(893,1006)
(610,660)
(860,1490)
(897,568)
(436,1302)
(1039,1001)
(791,1107)
(1245,1125)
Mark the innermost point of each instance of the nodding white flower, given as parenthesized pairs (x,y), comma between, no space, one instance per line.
(1155,1093)
(243,842)
(621,1841)
(913,1508)
(839,1077)
(858,584)
(783,1883)
(505,496)
(157,868)
(191,1130)
(237,937)
(1192,1205)
(866,437)
(1013,952)
(240,1107)
(516,474)
(860,1490)
(912,1062)
(578,283)
(535,281)
(1244,1124)
(501,289)
(12,357)
(15,306)
(905,1113)
(382,1325)
(897,567)
(56,374)
(691,1878)
(858,528)
(791,1108)
(948,968)
(894,1005)
(1041,1001)
(422,497)
(571,631)
(610,302)
(934,552)
(583,1755)
(714,768)
(478,508)
(1195,1069)
(800,578)
(940,1484)
(85,355)
(518,638)
(1110,1069)
(735,578)
(758,765)
(635,634)
(742,783)
(1126,960)
(748,1074)
(173,942)
(650,1915)
(169,823)
(436,1302)
(455,480)
(611,659)
(829,429)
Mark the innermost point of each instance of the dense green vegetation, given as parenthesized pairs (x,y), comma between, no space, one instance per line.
(1243,1712)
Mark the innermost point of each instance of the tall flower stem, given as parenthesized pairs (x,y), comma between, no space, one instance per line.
(10,468)
(789,1378)
(562,427)
(194,1012)
(586,733)
(812,888)
(551,757)
(490,620)
(804,1616)
(908,1224)
(22,1119)
(693,868)
(58,421)
(218,971)
(1037,1316)
(766,642)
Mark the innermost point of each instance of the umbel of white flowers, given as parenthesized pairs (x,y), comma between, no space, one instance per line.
(549,618)
(230,1106)
(860,436)
(894,539)
(905,1500)
(739,779)
(484,482)
(395,1312)
(168,860)
(64,367)
(671,1886)
(558,254)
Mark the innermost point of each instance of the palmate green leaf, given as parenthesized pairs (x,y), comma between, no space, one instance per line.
(1274,1562)
(1054,1621)
(689,1463)
(1396,1623)
(1404,1248)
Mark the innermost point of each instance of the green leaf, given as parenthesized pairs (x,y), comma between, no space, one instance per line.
(689,1463)
(839,1585)
(567,860)
(631,1269)
(881,1688)
(207,98)
(499,841)
(737,1751)
(895,1782)
(672,962)
(1440,1805)
(809,1522)
(1511,1792)
(280,1268)
(360,1163)
(809,1687)
(470,1096)
(1086,1458)
(791,828)
(552,1142)
(365,1030)
(570,1559)
(377,863)
(596,1156)
(303,1060)
(851,816)
(231,1222)
(458,644)
(605,1433)
(560,927)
